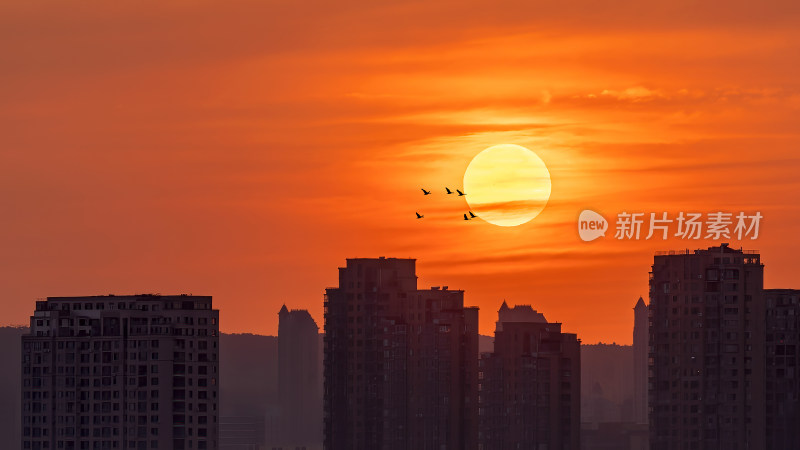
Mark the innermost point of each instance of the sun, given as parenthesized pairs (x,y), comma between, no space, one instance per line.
(507,185)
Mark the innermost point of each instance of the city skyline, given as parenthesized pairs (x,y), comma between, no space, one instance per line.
(405,366)
(240,149)
(483,330)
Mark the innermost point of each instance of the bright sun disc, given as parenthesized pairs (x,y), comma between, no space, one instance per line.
(507,185)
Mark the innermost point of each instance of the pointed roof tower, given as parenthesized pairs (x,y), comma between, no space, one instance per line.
(640,304)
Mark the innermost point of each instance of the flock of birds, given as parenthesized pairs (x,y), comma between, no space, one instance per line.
(447,189)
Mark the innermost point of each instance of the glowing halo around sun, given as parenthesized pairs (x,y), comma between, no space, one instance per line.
(507,185)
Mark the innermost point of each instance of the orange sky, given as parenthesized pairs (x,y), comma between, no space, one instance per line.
(244,149)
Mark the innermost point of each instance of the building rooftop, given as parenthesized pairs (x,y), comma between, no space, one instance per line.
(519,313)
(128,297)
(721,248)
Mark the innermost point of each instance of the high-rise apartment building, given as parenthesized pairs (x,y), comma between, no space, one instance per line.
(400,363)
(299,380)
(641,338)
(707,350)
(121,372)
(782,369)
(530,384)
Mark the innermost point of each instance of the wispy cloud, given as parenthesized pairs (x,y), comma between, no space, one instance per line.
(246,148)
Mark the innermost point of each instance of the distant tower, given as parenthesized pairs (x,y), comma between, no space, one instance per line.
(641,335)
(299,379)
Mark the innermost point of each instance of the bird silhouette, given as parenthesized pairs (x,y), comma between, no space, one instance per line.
(465,217)
(424,192)
(472,216)
(460,194)
(448,190)
(419,216)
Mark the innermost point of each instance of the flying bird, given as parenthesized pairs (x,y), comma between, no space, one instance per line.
(419,216)
(448,190)
(424,192)
(465,217)
(460,194)
(472,216)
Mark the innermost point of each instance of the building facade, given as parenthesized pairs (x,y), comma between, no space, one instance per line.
(400,363)
(299,380)
(782,369)
(121,372)
(241,433)
(530,384)
(641,338)
(707,350)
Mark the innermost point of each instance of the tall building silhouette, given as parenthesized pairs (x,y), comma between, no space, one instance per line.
(783,369)
(10,387)
(121,372)
(299,379)
(400,363)
(530,384)
(641,338)
(707,342)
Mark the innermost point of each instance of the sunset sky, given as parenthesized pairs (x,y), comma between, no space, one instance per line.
(245,149)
